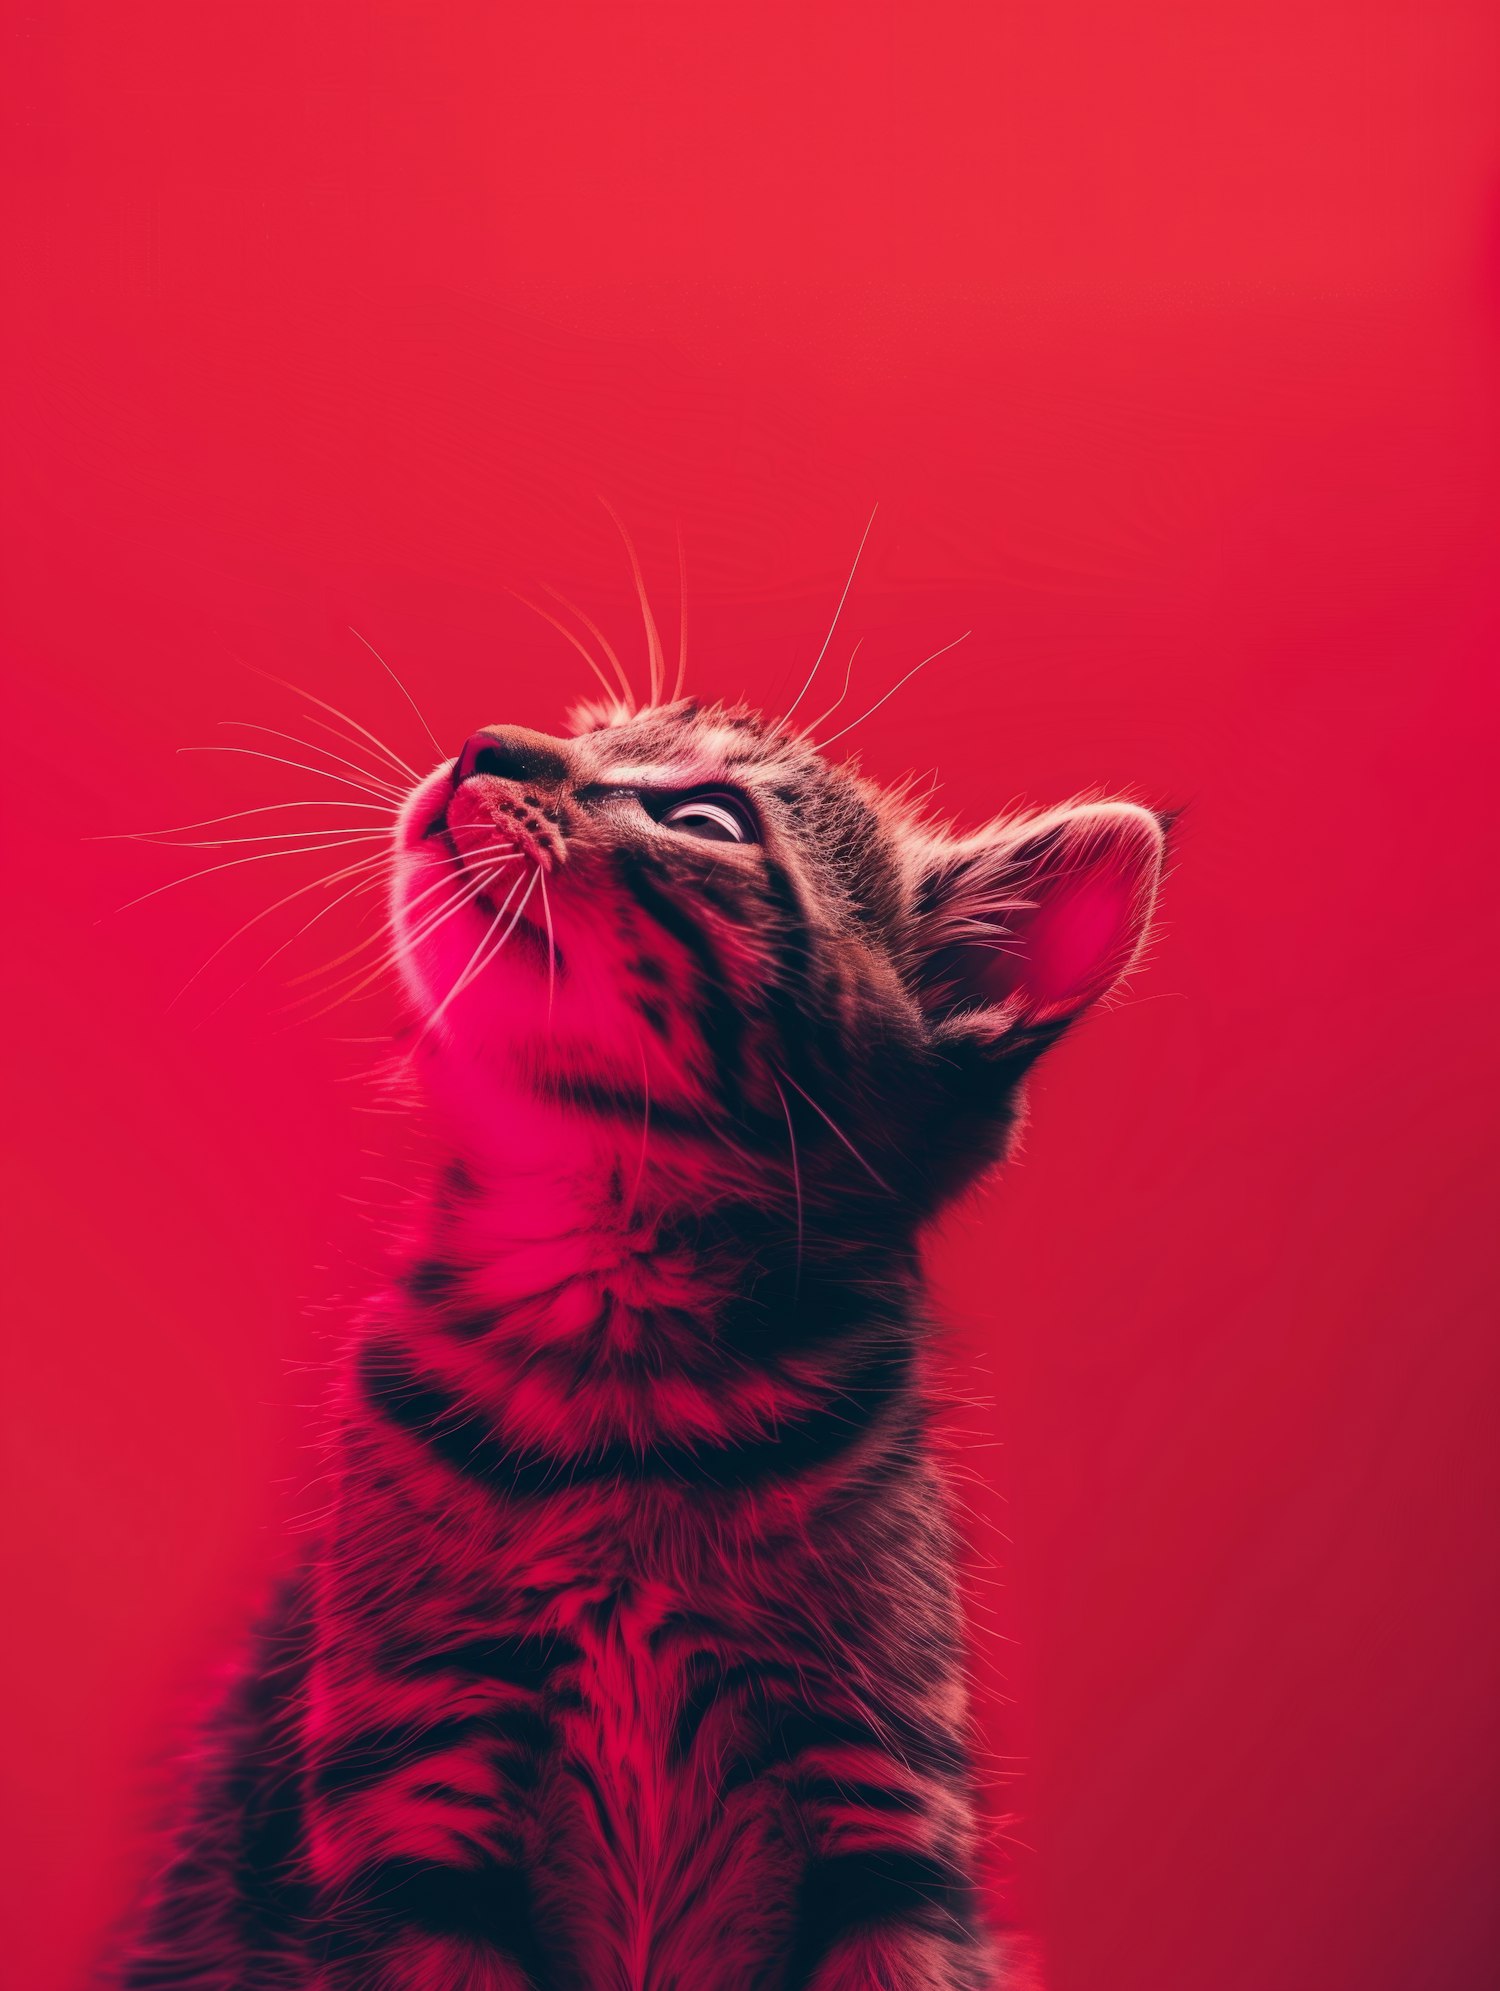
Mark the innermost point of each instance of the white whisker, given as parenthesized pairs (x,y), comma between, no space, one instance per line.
(365,866)
(370,883)
(551,944)
(323,704)
(320,838)
(473,886)
(399,768)
(848,673)
(600,638)
(402,689)
(392,936)
(255,753)
(229,864)
(236,815)
(835,622)
(388,936)
(796,1184)
(681,678)
(824,745)
(379,780)
(384,933)
(568,637)
(640,1166)
(477,966)
(835,1128)
(655,658)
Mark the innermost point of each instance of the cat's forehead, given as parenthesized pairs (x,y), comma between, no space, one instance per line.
(693,742)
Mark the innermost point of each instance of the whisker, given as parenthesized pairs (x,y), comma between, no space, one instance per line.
(369,883)
(371,775)
(848,672)
(824,745)
(365,865)
(551,945)
(483,954)
(835,622)
(255,753)
(568,637)
(835,1128)
(236,815)
(384,933)
(640,1166)
(472,886)
(313,699)
(224,842)
(350,740)
(515,917)
(653,637)
(796,1186)
(402,689)
(681,679)
(229,864)
(599,637)
(364,978)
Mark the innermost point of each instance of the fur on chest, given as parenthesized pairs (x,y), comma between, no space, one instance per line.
(659,1841)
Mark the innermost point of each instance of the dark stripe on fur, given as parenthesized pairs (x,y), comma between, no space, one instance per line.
(720,1020)
(864,1890)
(710,1681)
(467,1441)
(489,1904)
(370,1757)
(519,1661)
(791,1731)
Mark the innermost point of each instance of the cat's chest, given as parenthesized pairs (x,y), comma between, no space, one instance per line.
(625,1682)
(651,1785)
(629,1705)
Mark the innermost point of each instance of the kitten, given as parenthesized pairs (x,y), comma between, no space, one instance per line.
(630,1658)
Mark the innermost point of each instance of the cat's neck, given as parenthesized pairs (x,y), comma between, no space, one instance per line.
(579,1305)
(548,1219)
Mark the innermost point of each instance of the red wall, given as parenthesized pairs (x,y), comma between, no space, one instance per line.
(1166,339)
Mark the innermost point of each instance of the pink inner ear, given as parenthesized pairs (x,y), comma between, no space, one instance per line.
(1068,949)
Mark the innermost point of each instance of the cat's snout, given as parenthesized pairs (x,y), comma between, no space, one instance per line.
(512,753)
(507,791)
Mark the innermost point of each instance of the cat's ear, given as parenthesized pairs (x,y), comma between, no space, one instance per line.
(1019,929)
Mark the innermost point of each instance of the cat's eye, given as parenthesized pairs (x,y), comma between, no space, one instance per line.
(716,818)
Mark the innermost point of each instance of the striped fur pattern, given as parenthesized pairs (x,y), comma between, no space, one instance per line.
(631,1658)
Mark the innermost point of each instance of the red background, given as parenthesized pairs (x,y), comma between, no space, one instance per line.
(1166,338)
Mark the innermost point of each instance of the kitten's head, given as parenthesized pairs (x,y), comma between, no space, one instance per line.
(686,919)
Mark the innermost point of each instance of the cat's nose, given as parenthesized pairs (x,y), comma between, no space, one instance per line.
(512,753)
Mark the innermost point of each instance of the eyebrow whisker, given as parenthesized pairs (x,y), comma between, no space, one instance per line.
(654,652)
(568,637)
(786,716)
(681,679)
(824,745)
(848,672)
